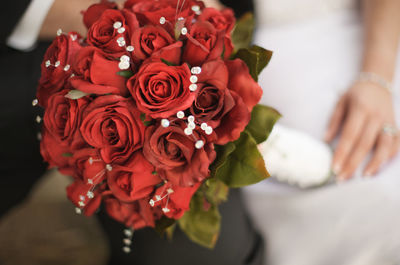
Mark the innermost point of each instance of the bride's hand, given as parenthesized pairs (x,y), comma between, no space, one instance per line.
(365,117)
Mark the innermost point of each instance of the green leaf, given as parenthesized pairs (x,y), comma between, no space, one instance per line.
(143,116)
(126,74)
(67,155)
(263,119)
(200,225)
(167,62)
(244,166)
(76,94)
(216,191)
(256,59)
(242,34)
(163,224)
(223,152)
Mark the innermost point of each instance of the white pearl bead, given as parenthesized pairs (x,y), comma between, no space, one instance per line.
(193,87)
(199,144)
(180,114)
(117,25)
(188,131)
(164,123)
(162,20)
(193,79)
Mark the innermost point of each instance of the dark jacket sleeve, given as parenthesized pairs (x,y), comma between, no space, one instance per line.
(9,17)
(239,6)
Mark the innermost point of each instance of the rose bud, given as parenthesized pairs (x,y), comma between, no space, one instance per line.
(56,66)
(179,158)
(96,73)
(63,117)
(148,40)
(135,180)
(160,90)
(204,43)
(174,200)
(94,12)
(78,192)
(112,31)
(112,124)
(223,20)
(137,214)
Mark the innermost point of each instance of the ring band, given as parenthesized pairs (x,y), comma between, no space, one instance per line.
(390,130)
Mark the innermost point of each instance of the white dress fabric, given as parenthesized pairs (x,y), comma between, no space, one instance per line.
(317,53)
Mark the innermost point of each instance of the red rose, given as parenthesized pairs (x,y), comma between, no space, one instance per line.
(218,105)
(150,39)
(221,20)
(243,84)
(94,12)
(88,166)
(55,153)
(135,180)
(113,125)
(96,73)
(78,192)
(204,43)
(112,31)
(138,214)
(161,90)
(56,67)
(175,156)
(174,200)
(63,117)
(214,99)
(151,11)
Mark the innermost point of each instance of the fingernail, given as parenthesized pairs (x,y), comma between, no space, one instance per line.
(336,169)
(368,174)
(340,179)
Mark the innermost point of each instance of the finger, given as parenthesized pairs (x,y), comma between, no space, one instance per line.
(351,132)
(361,149)
(336,119)
(396,146)
(381,154)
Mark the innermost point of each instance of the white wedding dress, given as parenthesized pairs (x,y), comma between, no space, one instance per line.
(317,52)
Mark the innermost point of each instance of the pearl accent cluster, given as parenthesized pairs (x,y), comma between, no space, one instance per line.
(128,233)
(90,194)
(121,40)
(124,63)
(161,197)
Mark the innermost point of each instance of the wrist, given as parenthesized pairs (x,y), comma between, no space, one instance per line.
(375,79)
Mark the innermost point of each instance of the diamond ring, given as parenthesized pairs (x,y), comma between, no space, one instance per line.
(390,130)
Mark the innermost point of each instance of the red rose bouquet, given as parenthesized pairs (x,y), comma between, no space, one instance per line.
(154,113)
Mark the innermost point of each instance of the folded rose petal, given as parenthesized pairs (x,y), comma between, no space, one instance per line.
(96,73)
(243,84)
(135,180)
